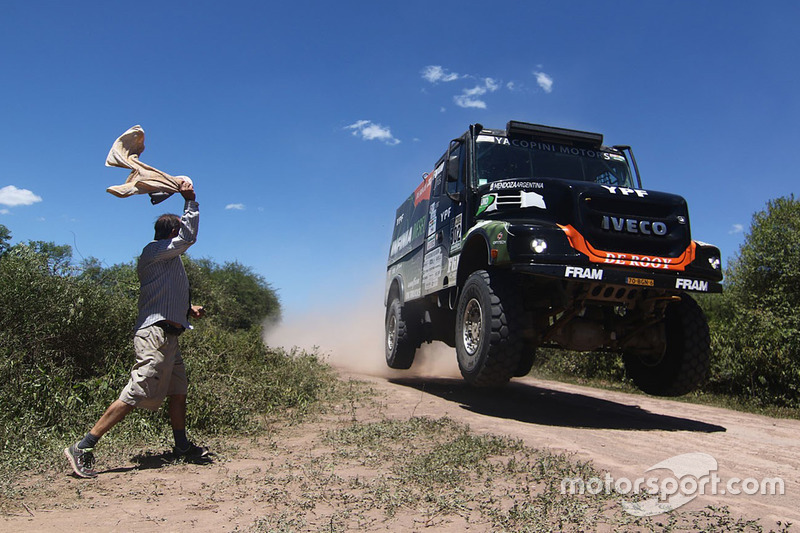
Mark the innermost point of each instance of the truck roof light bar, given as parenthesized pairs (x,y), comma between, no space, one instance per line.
(558,135)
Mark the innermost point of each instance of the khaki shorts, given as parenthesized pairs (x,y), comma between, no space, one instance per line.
(158,371)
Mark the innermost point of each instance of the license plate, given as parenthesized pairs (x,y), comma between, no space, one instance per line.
(644,282)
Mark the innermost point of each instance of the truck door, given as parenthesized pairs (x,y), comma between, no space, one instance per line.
(445,221)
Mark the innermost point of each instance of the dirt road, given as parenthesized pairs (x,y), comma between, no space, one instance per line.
(624,434)
(620,433)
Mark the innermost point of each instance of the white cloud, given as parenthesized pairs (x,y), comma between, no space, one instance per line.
(435,74)
(544,81)
(12,197)
(469,97)
(236,207)
(736,228)
(369,131)
(4,211)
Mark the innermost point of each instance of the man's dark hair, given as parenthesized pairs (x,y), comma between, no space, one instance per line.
(165,225)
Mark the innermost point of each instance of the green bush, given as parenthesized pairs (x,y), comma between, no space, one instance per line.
(66,351)
(52,320)
(234,296)
(755,324)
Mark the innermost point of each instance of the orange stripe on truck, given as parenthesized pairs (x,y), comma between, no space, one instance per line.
(579,243)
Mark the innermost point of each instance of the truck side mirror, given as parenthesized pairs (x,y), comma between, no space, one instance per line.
(452,168)
(452,160)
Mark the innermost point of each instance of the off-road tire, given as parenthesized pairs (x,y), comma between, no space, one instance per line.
(400,341)
(685,363)
(526,358)
(489,310)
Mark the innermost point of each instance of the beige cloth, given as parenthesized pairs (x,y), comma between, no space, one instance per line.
(143,178)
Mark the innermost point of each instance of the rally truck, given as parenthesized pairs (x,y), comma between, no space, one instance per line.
(537,236)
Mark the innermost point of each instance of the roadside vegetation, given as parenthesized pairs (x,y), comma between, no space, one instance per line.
(754,324)
(66,350)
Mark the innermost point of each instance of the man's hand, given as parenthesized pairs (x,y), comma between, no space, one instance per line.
(187,191)
(197,311)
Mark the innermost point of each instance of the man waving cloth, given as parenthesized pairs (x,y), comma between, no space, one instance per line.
(164,312)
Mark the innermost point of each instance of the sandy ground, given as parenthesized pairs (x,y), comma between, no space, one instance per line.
(626,434)
(620,433)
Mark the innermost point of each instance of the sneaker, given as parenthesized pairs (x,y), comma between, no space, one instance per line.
(193,452)
(82,460)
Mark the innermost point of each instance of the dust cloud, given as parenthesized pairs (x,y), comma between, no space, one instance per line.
(349,335)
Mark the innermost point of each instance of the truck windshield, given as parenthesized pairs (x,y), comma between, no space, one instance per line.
(502,158)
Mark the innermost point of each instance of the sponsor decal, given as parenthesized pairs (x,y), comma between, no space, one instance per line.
(423,192)
(413,288)
(549,147)
(583,273)
(402,240)
(636,261)
(642,282)
(432,217)
(613,157)
(430,244)
(488,203)
(505,185)
(631,225)
(455,231)
(452,264)
(578,242)
(444,215)
(432,269)
(399,220)
(418,228)
(532,199)
(624,191)
(499,240)
(691,284)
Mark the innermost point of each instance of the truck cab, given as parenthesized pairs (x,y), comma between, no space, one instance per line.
(541,236)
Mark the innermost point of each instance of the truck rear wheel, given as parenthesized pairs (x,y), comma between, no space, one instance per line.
(401,340)
(487,345)
(685,362)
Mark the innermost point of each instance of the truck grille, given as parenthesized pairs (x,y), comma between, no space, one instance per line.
(634,225)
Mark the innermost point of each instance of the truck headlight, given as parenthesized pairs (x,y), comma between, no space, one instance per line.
(538,245)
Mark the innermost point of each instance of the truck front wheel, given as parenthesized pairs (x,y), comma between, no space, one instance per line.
(684,364)
(401,335)
(487,345)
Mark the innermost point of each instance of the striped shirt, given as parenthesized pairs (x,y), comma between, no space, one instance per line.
(164,293)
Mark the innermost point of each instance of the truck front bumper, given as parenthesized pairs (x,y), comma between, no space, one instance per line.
(593,273)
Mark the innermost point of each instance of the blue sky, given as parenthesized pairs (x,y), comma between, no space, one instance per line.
(305,124)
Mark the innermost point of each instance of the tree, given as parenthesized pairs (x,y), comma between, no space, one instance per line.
(756,330)
(234,296)
(5,238)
